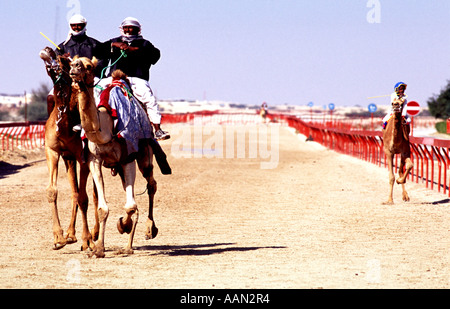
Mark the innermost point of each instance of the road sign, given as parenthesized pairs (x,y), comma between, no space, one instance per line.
(412,108)
(331,106)
(310,104)
(372,108)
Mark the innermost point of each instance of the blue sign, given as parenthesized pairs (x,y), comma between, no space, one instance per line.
(331,106)
(372,108)
(310,104)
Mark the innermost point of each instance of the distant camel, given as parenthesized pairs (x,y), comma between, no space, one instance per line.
(62,141)
(263,112)
(396,141)
(108,149)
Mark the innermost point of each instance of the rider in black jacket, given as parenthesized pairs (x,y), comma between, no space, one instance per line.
(78,43)
(140,56)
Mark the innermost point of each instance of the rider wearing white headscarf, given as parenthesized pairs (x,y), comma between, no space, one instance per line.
(78,43)
(140,56)
(127,37)
(74,20)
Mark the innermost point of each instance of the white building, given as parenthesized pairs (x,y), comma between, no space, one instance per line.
(12,100)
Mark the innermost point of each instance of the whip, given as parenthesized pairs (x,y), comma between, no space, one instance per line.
(50,40)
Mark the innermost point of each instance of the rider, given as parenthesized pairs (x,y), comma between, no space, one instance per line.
(398,94)
(264,106)
(140,55)
(78,43)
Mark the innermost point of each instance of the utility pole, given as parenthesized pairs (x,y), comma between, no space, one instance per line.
(55,37)
(26,106)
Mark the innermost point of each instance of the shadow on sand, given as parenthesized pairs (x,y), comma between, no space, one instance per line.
(8,168)
(200,249)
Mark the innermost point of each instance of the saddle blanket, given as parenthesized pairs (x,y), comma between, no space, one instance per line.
(130,120)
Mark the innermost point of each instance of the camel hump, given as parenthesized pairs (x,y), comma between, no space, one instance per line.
(118,74)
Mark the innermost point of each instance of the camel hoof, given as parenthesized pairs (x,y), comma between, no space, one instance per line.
(71,239)
(58,246)
(94,234)
(88,246)
(99,255)
(151,234)
(127,251)
(124,228)
(388,203)
(96,253)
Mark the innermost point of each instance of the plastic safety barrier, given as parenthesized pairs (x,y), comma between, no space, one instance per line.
(430,156)
(28,135)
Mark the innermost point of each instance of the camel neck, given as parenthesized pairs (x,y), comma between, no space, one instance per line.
(398,128)
(96,124)
(88,110)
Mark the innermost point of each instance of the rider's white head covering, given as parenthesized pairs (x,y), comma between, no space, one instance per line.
(130,21)
(76,19)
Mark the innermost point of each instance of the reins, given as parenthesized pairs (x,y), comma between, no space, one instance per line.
(122,54)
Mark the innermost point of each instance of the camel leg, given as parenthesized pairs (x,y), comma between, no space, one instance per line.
(71,168)
(146,168)
(151,229)
(127,224)
(83,202)
(95,230)
(409,165)
(390,161)
(95,166)
(52,195)
(402,179)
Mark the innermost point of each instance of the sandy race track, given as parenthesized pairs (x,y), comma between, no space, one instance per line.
(314,220)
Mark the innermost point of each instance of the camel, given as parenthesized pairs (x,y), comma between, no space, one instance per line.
(107,149)
(396,141)
(263,112)
(62,141)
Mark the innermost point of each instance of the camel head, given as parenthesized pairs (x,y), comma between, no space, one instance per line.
(82,70)
(57,67)
(64,63)
(397,105)
(48,55)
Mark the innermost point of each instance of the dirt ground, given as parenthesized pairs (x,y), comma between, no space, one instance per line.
(316,220)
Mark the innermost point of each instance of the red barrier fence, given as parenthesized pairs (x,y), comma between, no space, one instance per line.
(214,117)
(431,157)
(27,135)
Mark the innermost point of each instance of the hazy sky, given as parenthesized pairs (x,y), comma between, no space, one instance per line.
(250,51)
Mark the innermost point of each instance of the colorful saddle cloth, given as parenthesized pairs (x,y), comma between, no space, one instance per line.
(130,120)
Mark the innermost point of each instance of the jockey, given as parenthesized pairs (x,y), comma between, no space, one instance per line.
(140,56)
(398,94)
(264,106)
(78,43)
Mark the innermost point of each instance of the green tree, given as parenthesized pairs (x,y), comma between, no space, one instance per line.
(439,105)
(4,115)
(37,109)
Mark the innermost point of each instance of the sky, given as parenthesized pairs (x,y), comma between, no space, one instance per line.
(252,51)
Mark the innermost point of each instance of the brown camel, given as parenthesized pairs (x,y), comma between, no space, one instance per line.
(263,112)
(62,141)
(396,141)
(107,149)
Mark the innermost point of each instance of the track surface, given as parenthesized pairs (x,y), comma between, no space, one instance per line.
(314,221)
